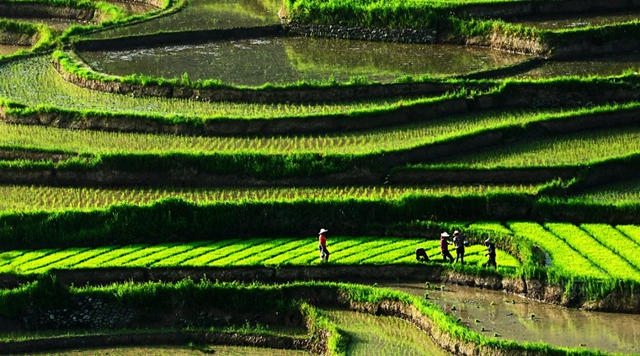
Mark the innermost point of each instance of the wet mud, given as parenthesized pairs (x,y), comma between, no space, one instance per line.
(511,317)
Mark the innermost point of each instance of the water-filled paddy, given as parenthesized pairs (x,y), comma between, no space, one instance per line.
(381,335)
(290,59)
(9,49)
(134,7)
(601,66)
(207,15)
(57,24)
(583,20)
(180,351)
(509,317)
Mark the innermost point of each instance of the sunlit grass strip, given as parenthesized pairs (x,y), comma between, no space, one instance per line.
(632,231)
(46,198)
(174,249)
(216,253)
(237,252)
(193,252)
(14,266)
(46,261)
(617,193)
(579,148)
(366,142)
(563,257)
(490,226)
(601,256)
(617,242)
(113,253)
(35,83)
(75,259)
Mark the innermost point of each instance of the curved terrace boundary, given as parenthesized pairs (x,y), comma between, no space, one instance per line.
(623,300)
(40,10)
(177,338)
(327,336)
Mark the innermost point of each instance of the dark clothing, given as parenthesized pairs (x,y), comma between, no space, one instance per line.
(458,241)
(421,255)
(444,250)
(491,253)
(324,253)
(322,246)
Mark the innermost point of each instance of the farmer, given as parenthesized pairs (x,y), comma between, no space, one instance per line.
(444,247)
(322,245)
(491,252)
(458,241)
(421,255)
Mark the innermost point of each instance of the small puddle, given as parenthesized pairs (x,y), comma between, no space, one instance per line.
(598,66)
(58,24)
(134,8)
(282,60)
(582,20)
(510,317)
(9,49)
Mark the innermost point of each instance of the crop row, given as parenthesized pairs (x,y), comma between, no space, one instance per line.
(589,250)
(236,252)
(34,82)
(389,139)
(17,198)
(561,150)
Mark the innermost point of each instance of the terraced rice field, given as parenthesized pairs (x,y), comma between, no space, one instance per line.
(234,253)
(574,133)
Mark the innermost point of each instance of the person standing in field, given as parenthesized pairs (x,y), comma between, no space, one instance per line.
(458,241)
(491,252)
(444,248)
(322,245)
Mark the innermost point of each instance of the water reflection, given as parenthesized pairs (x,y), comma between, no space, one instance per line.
(289,59)
(497,314)
(207,15)
(599,66)
(582,20)
(9,49)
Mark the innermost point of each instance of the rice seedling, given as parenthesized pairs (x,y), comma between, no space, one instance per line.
(600,255)
(568,150)
(616,241)
(16,198)
(563,257)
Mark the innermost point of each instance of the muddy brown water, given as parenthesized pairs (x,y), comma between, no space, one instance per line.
(610,65)
(289,59)
(206,15)
(180,351)
(9,49)
(510,317)
(134,7)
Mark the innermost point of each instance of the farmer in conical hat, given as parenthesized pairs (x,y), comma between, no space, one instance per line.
(322,245)
(444,248)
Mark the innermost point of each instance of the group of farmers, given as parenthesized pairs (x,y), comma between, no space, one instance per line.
(459,241)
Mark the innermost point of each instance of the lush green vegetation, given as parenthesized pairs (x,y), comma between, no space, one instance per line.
(576,233)
(228,253)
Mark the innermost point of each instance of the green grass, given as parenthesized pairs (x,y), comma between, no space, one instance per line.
(236,252)
(579,148)
(382,335)
(14,198)
(562,256)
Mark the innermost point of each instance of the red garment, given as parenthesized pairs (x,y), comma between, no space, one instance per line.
(444,245)
(323,240)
